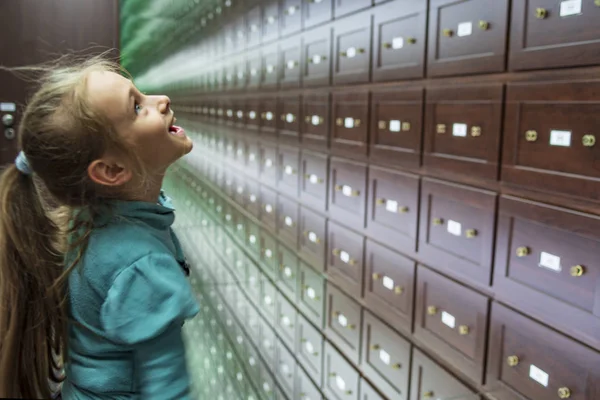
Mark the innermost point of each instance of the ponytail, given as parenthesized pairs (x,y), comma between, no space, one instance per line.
(33,310)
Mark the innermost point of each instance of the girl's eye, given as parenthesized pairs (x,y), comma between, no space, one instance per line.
(137,108)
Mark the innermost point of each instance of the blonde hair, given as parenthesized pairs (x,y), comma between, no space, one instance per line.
(60,134)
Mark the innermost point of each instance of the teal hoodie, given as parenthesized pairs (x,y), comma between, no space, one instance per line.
(128,300)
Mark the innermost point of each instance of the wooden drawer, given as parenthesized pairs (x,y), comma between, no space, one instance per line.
(252,239)
(462,131)
(313,185)
(252,114)
(268,299)
(529,360)
(430,380)
(268,117)
(399,40)
(254,25)
(312,294)
(270,21)
(389,286)
(289,56)
(385,358)
(241,73)
(344,322)
(268,209)
(268,164)
(315,127)
(343,7)
(309,349)
(345,258)
(467,37)
(347,193)
(316,56)
(457,231)
(285,368)
(289,165)
(289,121)
(305,387)
(317,12)
(270,67)
(393,209)
(547,266)
(368,392)
(251,363)
(341,380)
(268,253)
(252,197)
(452,321)
(291,16)
(286,320)
(574,38)
(252,167)
(254,325)
(313,238)
(287,221)
(288,271)
(350,133)
(267,386)
(352,48)
(550,140)
(396,127)
(268,349)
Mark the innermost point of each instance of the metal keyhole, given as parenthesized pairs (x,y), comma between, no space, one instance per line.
(9,133)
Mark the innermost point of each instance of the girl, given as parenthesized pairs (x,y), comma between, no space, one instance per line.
(108,284)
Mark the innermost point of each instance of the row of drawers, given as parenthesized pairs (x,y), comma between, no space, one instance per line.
(500,245)
(402,39)
(455,331)
(543,139)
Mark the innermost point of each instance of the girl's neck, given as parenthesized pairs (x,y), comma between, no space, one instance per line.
(148,191)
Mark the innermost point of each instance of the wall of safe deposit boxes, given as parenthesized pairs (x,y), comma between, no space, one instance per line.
(413,188)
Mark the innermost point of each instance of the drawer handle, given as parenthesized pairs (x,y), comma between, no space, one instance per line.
(475,131)
(376,276)
(316,59)
(348,122)
(448,32)
(523,251)
(588,140)
(438,221)
(396,366)
(440,128)
(343,256)
(428,395)
(471,233)
(463,330)
(531,136)
(484,25)
(312,237)
(432,310)
(291,64)
(512,361)
(375,347)
(398,290)
(347,190)
(564,393)
(577,270)
(541,13)
(351,52)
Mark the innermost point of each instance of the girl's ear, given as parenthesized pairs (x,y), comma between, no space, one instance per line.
(109,171)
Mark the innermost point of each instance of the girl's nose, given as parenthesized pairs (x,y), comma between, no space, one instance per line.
(164,104)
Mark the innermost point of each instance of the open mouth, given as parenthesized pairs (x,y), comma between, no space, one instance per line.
(176,131)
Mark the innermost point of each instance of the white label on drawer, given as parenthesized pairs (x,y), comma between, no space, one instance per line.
(286,321)
(340,382)
(240,114)
(347,190)
(395,125)
(287,271)
(252,281)
(459,130)
(240,189)
(349,122)
(465,29)
(289,118)
(253,72)
(351,52)
(289,221)
(538,375)
(570,7)
(291,64)
(342,320)
(391,206)
(345,257)
(315,120)
(252,239)
(384,357)
(268,163)
(252,114)
(8,107)
(310,292)
(397,43)
(312,237)
(252,361)
(316,59)
(266,387)
(560,138)
(251,157)
(253,198)
(289,170)
(240,152)
(454,228)
(388,283)
(270,69)
(448,319)
(230,113)
(268,253)
(240,339)
(268,115)
(313,179)
(309,348)
(269,208)
(550,261)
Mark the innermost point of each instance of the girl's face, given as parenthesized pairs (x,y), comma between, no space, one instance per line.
(145,122)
